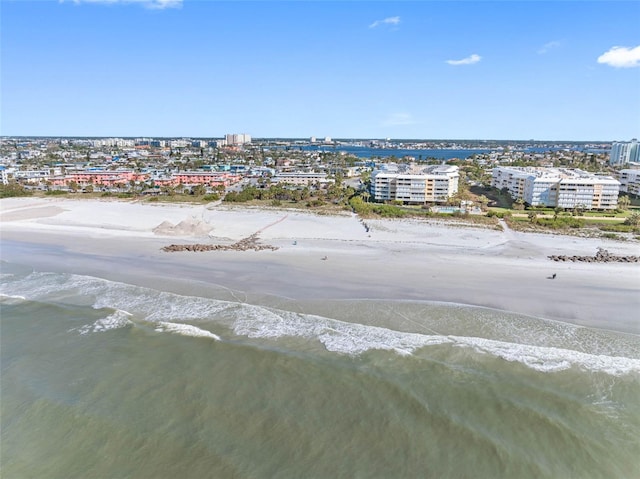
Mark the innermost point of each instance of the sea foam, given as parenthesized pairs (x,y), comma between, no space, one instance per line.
(169,313)
(354,339)
(186,330)
(119,319)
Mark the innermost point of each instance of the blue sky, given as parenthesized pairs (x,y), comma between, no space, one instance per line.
(562,70)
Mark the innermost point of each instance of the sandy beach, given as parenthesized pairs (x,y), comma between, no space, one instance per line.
(381,260)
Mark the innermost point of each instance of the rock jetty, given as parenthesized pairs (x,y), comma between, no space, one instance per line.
(245,244)
(602,256)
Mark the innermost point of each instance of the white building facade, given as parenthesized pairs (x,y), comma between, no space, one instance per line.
(234,139)
(623,153)
(630,181)
(4,176)
(558,187)
(301,179)
(412,184)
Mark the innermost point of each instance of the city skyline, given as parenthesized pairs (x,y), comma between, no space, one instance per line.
(168,68)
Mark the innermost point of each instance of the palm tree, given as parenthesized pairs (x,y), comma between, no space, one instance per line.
(484,201)
(199,190)
(624,202)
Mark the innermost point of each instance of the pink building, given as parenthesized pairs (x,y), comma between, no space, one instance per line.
(115,178)
(100,177)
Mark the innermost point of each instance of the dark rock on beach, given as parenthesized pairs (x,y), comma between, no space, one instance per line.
(602,256)
(245,244)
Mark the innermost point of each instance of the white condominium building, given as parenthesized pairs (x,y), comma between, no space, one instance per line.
(565,188)
(630,181)
(414,184)
(111,142)
(301,179)
(237,138)
(625,152)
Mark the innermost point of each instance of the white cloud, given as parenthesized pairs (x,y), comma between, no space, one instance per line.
(548,46)
(399,119)
(470,60)
(387,21)
(621,57)
(153,4)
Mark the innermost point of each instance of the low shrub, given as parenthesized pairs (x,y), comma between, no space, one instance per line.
(618,227)
(13,189)
(561,222)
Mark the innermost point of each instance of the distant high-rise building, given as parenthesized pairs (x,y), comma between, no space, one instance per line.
(625,152)
(237,138)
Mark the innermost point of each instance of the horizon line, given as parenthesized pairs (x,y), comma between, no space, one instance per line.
(318,140)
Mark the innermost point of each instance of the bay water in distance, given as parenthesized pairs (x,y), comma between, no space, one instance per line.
(424,154)
(102,379)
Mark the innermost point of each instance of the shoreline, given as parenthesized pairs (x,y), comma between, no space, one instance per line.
(397,260)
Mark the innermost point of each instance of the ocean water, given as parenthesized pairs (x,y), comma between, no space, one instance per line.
(102,379)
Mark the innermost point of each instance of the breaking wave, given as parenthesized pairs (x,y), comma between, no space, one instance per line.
(169,312)
(119,319)
(185,330)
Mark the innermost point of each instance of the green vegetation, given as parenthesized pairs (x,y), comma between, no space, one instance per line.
(247,194)
(561,222)
(633,220)
(55,193)
(367,210)
(490,197)
(624,202)
(335,194)
(211,197)
(618,228)
(379,210)
(13,190)
(499,213)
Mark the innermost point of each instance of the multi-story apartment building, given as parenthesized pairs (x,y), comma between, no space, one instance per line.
(208,178)
(113,142)
(301,179)
(115,178)
(234,139)
(34,176)
(623,153)
(182,143)
(98,177)
(630,181)
(564,188)
(4,177)
(415,184)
